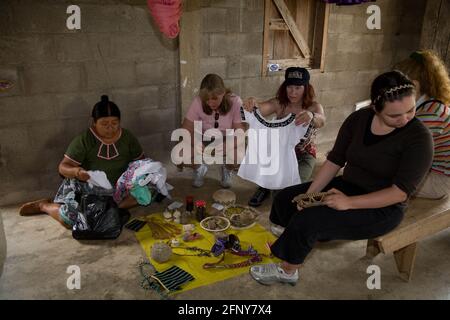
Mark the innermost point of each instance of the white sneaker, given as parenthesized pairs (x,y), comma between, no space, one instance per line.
(276,229)
(271,273)
(226,177)
(199,174)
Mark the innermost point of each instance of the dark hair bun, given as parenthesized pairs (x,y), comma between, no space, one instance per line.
(105,98)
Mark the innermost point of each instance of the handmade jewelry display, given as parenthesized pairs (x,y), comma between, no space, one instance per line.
(186,251)
(215,224)
(232,244)
(306,200)
(135,225)
(161,252)
(241,217)
(224,197)
(162,230)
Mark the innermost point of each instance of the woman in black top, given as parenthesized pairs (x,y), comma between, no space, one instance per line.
(385,152)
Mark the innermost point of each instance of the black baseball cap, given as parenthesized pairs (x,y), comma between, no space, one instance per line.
(296,76)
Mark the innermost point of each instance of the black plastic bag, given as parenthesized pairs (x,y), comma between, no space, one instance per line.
(100,218)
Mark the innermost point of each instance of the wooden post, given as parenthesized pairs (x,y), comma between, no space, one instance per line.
(405,258)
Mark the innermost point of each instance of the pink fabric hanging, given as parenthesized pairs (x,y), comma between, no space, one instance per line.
(167,14)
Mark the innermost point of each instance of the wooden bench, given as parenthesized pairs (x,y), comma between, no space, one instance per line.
(423,218)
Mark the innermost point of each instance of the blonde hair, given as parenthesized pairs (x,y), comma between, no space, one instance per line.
(212,85)
(427,68)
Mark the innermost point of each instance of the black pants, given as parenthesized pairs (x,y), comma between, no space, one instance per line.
(313,224)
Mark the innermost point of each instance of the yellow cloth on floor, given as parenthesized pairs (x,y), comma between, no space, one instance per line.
(257,237)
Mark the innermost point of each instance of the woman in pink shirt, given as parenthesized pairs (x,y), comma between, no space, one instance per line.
(216,107)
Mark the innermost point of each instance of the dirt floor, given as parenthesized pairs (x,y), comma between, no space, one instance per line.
(39,252)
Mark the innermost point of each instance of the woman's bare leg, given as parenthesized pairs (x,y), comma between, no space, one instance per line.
(52,209)
(128,203)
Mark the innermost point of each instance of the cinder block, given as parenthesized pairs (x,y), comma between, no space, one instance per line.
(234,67)
(75,47)
(107,18)
(333,97)
(252,21)
(26,109)
(350,44)
(205,46)
(336,62)
(100,44)
(10,73)
(340,23)
(95,76)
(214,20)
(224,44)
(75,105)
(322,80)
(43,141)
(160,71)
(156,146)
(261,88)
(161,120)
(332,42)
(133,99)
(254,4)
(15,149)
(27,49)
(360,61)
(234,20)
(365,77)
(213,65)
(371,42)
(168,97)
(141,47)
(383,60)
(52,78)
(122,74)
(6,18)
(227,3)
(251,43)
(251,66)
(234,85)
(41,18)
(143,20)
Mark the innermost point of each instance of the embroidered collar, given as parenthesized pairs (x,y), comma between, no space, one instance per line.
(283,122)
(107,151)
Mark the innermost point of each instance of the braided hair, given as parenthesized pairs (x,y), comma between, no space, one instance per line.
(389,87)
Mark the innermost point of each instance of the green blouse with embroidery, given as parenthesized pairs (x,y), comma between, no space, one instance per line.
(91,153)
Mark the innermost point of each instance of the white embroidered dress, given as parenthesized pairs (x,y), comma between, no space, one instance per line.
(270,159)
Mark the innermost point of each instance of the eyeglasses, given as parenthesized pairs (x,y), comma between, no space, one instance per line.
(216,118)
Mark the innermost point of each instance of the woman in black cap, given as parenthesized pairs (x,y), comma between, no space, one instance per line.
(106,147)
(296,95)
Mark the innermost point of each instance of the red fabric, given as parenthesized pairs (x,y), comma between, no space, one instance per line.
(167,14)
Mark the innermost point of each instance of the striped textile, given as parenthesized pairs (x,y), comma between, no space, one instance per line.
(436,116)
(173,278)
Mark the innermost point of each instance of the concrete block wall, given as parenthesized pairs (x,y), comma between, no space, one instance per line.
(232,40)
(60,74)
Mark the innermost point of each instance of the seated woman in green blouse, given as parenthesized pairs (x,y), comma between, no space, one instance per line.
(106,147)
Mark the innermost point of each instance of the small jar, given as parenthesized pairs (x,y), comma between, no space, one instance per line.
(200,210)
(185,217)
(189,203)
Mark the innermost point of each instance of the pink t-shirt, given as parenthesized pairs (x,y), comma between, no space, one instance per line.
(195,113)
